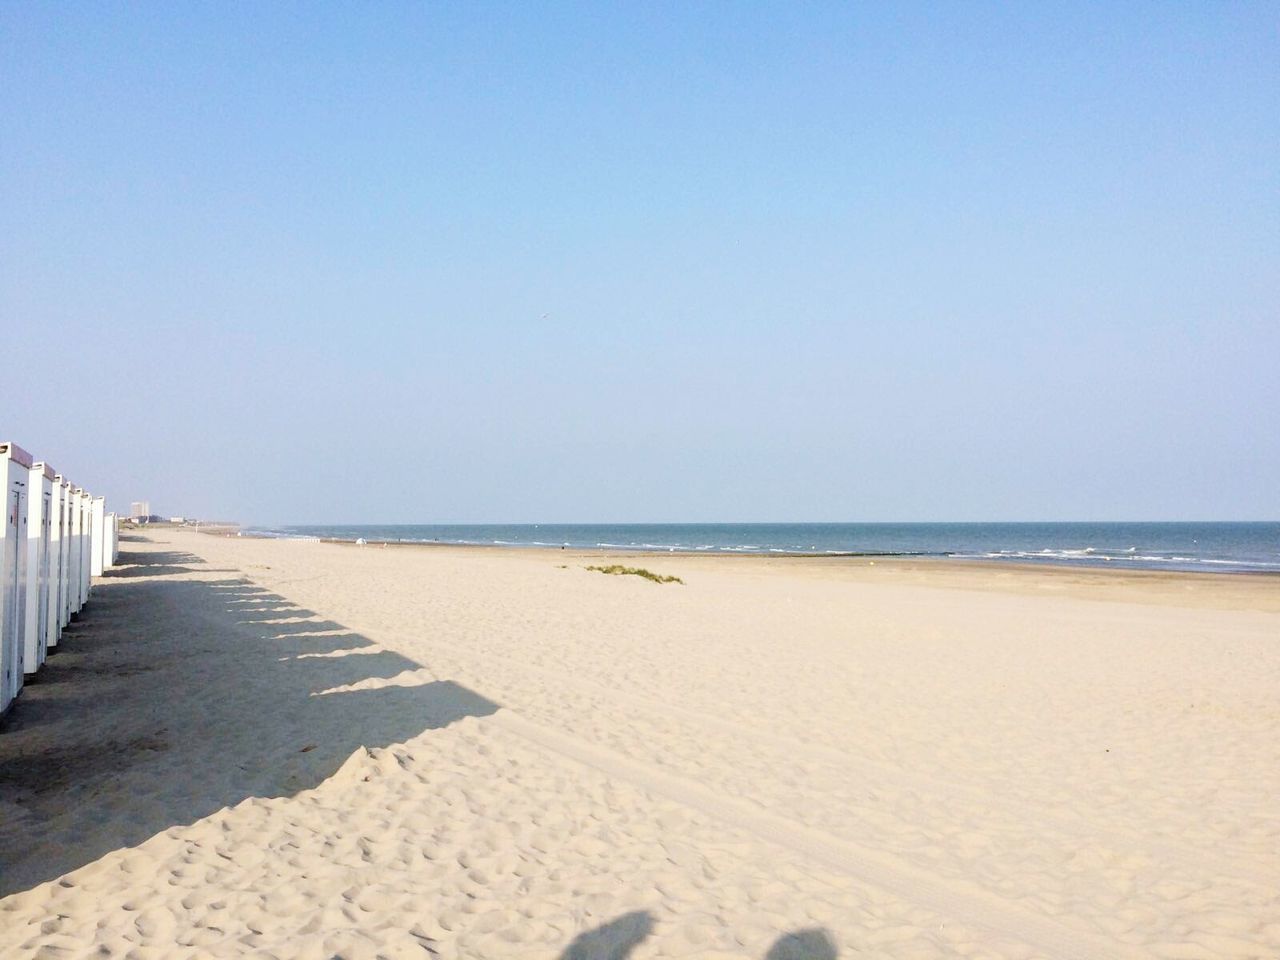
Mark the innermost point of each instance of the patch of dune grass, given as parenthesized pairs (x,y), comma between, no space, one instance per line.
(618,570)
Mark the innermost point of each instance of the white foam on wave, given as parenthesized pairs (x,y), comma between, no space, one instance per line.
(1077,556)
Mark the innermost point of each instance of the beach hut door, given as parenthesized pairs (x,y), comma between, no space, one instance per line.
(42,615)
(10,629)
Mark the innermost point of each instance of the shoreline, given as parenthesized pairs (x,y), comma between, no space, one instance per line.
(1102,564)
(1223,589)
(1202,547)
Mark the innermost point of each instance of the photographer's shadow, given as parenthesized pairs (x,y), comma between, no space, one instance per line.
(617,939)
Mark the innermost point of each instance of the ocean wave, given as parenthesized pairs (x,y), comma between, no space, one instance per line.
(1220,547)
(1094,558)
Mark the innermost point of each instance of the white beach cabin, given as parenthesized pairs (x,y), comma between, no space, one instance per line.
(15,468)
(74,531)
(39,563)
(68,541)
(113,540)
(79,547)
(86,547)
(99,548)
(61,540)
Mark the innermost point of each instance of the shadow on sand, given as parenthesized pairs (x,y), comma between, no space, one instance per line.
(811,944)
(171,698)
(201,693)
(611,941)
(133,563)
(617,939)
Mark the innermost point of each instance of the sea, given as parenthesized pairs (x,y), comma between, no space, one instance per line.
(1208,546)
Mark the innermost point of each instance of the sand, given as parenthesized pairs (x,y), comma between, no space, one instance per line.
(285,749)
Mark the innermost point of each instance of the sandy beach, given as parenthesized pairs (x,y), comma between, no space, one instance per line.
(270,748)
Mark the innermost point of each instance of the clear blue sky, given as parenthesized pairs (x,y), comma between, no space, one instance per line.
(407,262)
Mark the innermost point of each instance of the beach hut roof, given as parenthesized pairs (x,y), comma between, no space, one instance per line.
(11,451)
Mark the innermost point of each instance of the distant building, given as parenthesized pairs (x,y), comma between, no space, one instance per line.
(140,509)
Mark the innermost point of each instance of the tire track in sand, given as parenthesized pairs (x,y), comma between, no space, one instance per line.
(1195,861)
(965,902)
